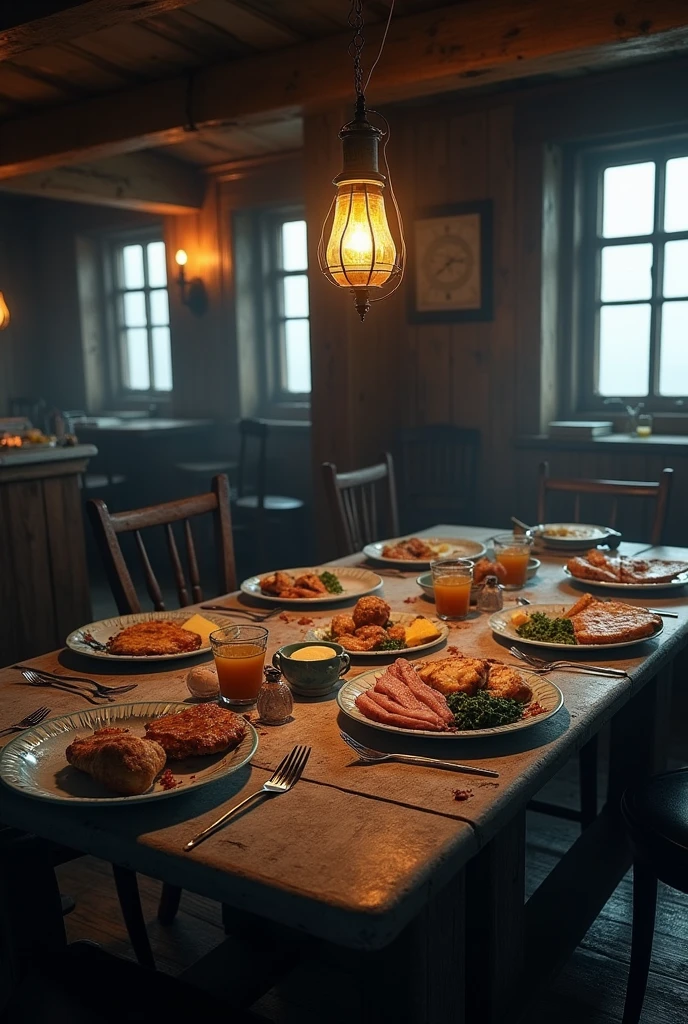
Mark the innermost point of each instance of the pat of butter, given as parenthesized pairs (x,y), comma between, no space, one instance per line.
(204,627)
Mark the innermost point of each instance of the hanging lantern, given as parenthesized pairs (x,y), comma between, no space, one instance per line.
(360,253)
(4,313)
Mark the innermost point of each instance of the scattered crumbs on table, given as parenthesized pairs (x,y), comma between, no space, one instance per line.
(462,794)
(533,709)
(492,785)
(248,716)
(168,781)
(410,600)
(262,732)
(192,777)
(284,617)
(454,651)
(304,621)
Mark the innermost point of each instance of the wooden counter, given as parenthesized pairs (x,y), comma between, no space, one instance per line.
(44,589)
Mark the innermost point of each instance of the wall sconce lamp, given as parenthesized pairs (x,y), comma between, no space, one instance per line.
(192,293)
(4,313)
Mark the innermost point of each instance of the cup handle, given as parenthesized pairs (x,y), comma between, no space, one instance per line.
(277,660)
(346,663)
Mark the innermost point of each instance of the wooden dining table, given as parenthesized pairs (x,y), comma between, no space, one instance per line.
(415,875)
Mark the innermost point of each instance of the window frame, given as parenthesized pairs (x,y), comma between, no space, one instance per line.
(274,317)
(587,302)
(114,315)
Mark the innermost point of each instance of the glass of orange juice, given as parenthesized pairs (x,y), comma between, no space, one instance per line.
(512,550)
(239,653)
(452,579)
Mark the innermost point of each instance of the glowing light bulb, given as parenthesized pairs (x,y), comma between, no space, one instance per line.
(181,257)
(4,313)
(360,251)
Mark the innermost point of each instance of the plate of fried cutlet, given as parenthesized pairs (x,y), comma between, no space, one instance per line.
(127,753)
(590,624)
(146,636)
(597,568)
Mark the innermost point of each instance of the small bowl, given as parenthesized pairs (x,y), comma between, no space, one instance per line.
(425,580)
(312,678)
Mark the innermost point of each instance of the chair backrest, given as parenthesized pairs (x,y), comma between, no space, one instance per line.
(107,526)
(437,469)
(656,491)
(253,459)
(357,514)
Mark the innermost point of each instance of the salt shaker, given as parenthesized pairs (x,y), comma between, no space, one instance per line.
(490,598)
(275,701)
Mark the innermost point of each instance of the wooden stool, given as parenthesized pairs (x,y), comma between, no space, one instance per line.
(656,818)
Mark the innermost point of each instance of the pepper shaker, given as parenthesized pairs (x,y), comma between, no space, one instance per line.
(491,598)
(274,702)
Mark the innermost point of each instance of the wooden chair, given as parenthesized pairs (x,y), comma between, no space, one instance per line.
(107,528)
(656,817)
(437,472)
(616,489)
(255,507)
(358,516)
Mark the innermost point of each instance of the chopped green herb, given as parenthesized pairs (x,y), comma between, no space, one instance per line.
(331,583)
(391,645)
(482,711)
(541,627)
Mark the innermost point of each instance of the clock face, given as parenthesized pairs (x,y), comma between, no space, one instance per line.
(448,263)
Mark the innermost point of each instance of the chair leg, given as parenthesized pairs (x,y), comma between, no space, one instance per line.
(644,907)
(169,903)
(587,767)
(132,912)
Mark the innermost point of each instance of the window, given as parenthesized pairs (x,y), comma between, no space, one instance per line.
(140,316)
(289,331)
(634,275)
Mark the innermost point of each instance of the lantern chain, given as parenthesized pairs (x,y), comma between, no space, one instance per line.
(357,43)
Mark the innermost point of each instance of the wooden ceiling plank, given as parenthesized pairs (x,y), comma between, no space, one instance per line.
(134,49)
(28,23)
(435,51)
(19,84)
(260,31)
(65,62)
(139,181)
(208,40)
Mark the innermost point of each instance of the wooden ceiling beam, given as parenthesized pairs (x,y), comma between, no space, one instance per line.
(436,51)
(137,181)
(29,23)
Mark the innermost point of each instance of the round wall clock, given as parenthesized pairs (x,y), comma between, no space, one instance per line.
(451,264)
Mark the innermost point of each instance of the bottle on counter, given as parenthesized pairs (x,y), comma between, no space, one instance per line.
(491,598)
(274,702)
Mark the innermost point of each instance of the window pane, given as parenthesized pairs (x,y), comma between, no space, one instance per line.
(294,249)
(159,307)
(157,272)
(136,351)
(676,195)
(162,359)
(132,266)
(298,356)
(134,309)
(626,272)
(296,296)
(628,206)
(676,268)
(673,365)
(624,365)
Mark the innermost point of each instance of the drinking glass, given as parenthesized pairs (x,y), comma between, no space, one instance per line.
(239,653)
(452,579)
(644,425)
(512,550)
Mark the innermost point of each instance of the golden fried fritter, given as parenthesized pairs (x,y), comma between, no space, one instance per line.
(298,594)
(371,611)
(357,644)
(311,582)
(202,729)
(276,583)
(455,674)
(157,637)
(504,681)
(341,624)
(121,762)
(484,568)
(397,633)
(412,549)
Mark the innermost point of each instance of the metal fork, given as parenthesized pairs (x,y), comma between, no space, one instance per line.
(33,719)
(254,616)
(99,688)
(287,773)
(378,756)
(542,667)
(33,679)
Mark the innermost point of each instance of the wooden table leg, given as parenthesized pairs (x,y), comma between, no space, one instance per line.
(640,737)
(419,978)
(495,946)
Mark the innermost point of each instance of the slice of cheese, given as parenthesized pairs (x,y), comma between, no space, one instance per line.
(421,631)
(204,627)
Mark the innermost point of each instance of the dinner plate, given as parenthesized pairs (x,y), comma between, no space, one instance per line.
(500,623)
(680,581)
(445,547)
(355,583)
(545,692)
(35,763)
(104,629)
(425,580)
(577,535)
(397,619)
